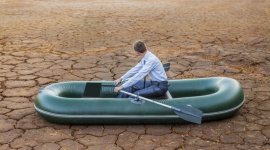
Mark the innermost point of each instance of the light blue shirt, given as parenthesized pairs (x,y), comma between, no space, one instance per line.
(149,65)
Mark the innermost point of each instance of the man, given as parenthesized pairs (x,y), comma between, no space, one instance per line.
(149,65)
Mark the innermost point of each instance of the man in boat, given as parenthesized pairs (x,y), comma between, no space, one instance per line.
(149,65)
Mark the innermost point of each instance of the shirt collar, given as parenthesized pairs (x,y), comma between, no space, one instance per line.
(146,55)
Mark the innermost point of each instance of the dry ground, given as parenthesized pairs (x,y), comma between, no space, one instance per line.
(48,41)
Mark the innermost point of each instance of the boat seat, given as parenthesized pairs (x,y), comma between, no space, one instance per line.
(166,96)
(167,66)
(92,90)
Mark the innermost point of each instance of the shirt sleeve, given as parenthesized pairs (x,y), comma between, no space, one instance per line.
(150,64)
(132,71)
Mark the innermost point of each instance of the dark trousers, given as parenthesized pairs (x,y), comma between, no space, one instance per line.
(151,89)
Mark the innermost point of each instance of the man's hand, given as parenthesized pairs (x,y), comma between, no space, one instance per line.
(117,89)
(117,81)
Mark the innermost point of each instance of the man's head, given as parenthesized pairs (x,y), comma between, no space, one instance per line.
(139,46)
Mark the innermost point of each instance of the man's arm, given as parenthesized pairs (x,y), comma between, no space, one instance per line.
(117,89)
(132,71)
(150,64)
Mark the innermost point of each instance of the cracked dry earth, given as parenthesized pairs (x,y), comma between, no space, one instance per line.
(48,41)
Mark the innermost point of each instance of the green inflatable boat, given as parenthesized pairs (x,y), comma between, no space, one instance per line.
(69,102)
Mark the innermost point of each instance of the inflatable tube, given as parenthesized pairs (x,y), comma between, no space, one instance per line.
(64,102)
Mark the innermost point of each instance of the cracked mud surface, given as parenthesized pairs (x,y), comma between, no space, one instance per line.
(44,42)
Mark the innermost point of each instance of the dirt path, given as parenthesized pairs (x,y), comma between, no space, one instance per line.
(48,41)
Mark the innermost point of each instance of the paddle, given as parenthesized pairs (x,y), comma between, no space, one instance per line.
(185,112)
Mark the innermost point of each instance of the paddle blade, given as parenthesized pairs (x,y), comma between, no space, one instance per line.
(189,113)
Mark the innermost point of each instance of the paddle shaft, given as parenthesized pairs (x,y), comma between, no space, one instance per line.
(158,103)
